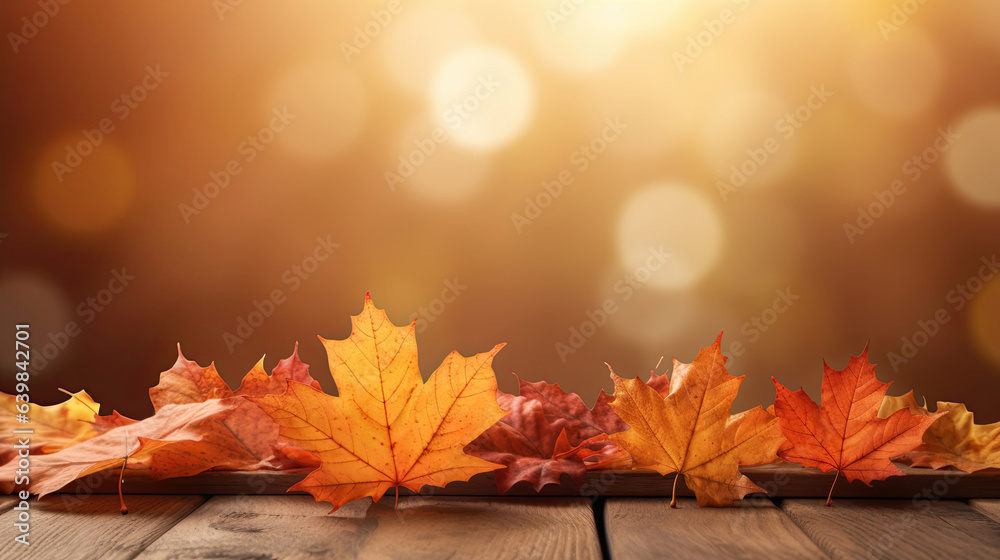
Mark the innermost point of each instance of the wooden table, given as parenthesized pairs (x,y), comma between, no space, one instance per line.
(925,514)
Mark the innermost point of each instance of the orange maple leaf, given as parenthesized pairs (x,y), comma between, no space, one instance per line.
(689,430)
(845,433)
(952,440)
(387,428)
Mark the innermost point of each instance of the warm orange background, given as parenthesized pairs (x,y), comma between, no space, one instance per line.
(697,87)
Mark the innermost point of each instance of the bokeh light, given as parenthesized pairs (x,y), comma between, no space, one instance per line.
(519,192)
(678,219)
(483,96)
(592,38)
(973,163)
(415,45)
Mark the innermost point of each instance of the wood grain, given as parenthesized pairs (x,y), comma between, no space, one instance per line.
(7,502)
(648,528)
(989,508)
(90,528)
(780,480)
(296,527)
(896,529)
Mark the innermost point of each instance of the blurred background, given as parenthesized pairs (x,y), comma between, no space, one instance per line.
(589,182)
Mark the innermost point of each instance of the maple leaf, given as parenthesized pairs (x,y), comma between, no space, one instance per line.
(689,431)
(844,433)
(387,428)
(199,424)
(246,438)
(547,433)
(174,426)
(187,382)
(55,426)
(954,439)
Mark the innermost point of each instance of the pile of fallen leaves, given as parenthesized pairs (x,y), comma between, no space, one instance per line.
(387,428)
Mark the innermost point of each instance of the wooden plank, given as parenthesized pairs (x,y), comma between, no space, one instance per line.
(7,502)
(780,480)
(989,508)
(896,528)
(90,528)
(648,528)
(421,527)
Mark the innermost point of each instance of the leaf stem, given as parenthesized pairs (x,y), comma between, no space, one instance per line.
(829,497)
(121,478)
(673,493)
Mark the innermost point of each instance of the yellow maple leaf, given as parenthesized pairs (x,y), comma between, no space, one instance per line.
(954,439)
(689,430)
(56,426)
(387,428)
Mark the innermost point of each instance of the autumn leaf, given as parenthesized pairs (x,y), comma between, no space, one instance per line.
(845,433)
(387,428)
(246,438)
(690,431)
(187,382)
(174,427)
(547,433)
(199,424)
(954,439)
(55,427)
